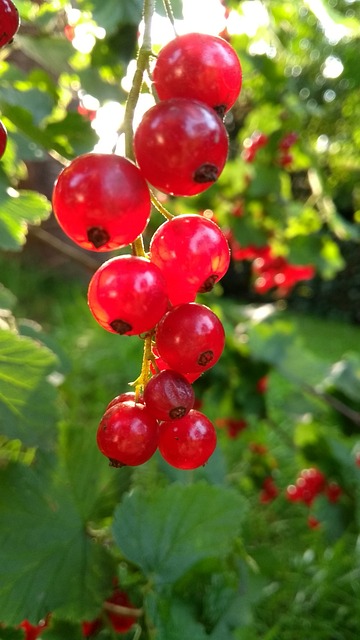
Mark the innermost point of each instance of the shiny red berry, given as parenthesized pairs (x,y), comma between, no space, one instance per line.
(190,338)
(101,201)
(9,21)
(181,146)
(3,139)
(189,442)
(123,397)
(192,253)
(120,623)
(127,434)
(127,295)
(168,395)
(201,67)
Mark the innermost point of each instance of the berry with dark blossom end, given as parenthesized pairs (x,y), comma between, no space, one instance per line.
(127,295)
(201,67)
(127,434)
(9,21)
(189,442)
(168,395)
(101,201)
(181,146)
(192,253)
(190,338)
(3,139)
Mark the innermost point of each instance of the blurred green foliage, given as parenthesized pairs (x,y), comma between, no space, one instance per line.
(209,553)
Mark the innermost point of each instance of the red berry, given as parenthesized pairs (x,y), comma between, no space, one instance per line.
(190,338)
(189,442)
(127,295)
(161,365)
(313,522)
(9,21)
(3,139)
(333,491)
(181,146)
(123,397)
(101,201)
(168,395)
(91,628)
(201,67)
(193,254)
(269,491)
(120,623)
(233,426)
(32,632)
(127,434)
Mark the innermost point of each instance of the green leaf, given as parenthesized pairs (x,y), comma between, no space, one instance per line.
(170,530)
(73,134)
(27,400)
(7,633)
(111,13)
(176,6)
(51,53)
(96,486)
(173,620)
(345,376)
(48,561)
(17,210)
(59,630)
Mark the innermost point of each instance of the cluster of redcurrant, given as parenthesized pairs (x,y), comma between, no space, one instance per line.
(9,24)
(270,271)
(116,614)
(103,203)
(309,484)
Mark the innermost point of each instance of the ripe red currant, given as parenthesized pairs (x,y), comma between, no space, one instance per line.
(201,67)
(168,395)
(3,139)
(181,146)
(190,338)
(9,21)
(189,442)
(127,434)
(192,253)
(101,201)
(120,624)
(127,295)
(123,397)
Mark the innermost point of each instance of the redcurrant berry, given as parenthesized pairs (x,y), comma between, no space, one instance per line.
(181,146)
(168,395)
(190,338)
(127,434)
(123,397)
(101,201)
(192,253)
(127,295)
(120,623)
(3,139)
(189,442)
(201,67)
(9,21)
(160,365)
(91,628)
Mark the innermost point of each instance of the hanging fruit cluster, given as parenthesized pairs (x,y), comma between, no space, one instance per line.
(103,203)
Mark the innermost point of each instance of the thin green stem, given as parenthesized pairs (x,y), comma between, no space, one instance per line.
(138,248)
(160,207)
(170,14)
(141,66)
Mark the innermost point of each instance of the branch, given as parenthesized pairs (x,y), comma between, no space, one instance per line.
(141,66)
